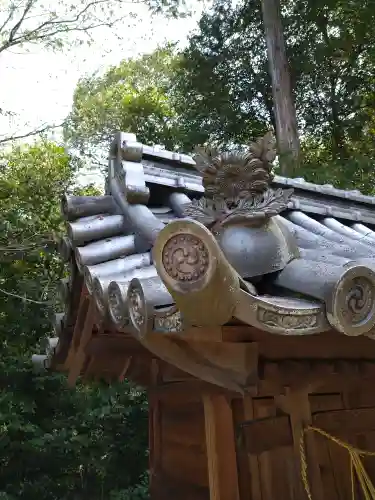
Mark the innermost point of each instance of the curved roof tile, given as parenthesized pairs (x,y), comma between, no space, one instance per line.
(324,256)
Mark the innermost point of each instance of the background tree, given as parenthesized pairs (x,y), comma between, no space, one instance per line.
(55,443)
(333,49)
(134,96)
(224,79)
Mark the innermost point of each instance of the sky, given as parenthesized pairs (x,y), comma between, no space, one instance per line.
(38,85)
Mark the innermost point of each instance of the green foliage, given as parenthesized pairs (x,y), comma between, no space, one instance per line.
(32,181)
(222,88)
(354,172)
(227,99)
(63,444)
(332,51)
(133,96)
(31,178)
(55,443)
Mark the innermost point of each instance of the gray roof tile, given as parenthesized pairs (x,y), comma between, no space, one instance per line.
(331,227)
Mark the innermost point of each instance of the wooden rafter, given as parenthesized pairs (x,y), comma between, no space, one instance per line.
(82,334)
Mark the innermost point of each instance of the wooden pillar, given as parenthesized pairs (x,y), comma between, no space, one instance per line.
(221,449)
(155,443)
(297,404)
(249,479)
(285,114)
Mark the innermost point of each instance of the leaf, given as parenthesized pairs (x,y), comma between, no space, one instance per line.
(201,210)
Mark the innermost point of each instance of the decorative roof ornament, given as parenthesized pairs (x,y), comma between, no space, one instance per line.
(237,186)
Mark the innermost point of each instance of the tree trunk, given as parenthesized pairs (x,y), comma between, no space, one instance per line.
(285,113)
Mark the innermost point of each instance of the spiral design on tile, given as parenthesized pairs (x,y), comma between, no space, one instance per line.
(352,308)
(185,258)
(360,299)
(117,306)
(137,308)
(99,296)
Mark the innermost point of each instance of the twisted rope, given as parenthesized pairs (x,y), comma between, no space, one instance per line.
(357,468)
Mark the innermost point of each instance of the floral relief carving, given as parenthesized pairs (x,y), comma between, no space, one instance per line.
(287,321)
(237,186)
(169,323)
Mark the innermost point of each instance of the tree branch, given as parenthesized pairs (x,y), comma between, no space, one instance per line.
(31,133)
(24,298)
(17,26)
(48,29)
(12,10)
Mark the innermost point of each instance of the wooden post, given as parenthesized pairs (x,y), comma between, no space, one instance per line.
(298,406)
(221,449)
(249,478)
(285,113)
(155,438)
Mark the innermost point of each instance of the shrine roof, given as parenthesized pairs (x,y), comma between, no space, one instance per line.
(163,249)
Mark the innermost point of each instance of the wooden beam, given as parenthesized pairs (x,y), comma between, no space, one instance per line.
(95,368)
(114,345)
(139,372)
(60,357)
(207,333)
(322,346)
(344,422)
(328,345)
(266,434)
(187,390)
(248,465)
(229,365)
(124,368)
(240,359)
(321,376)
(221,452)
(173,374)
(270,433)
(78,326)
(77,284)
(297,405)
(90,370)
(79,356)
(166,487)
(80,316)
